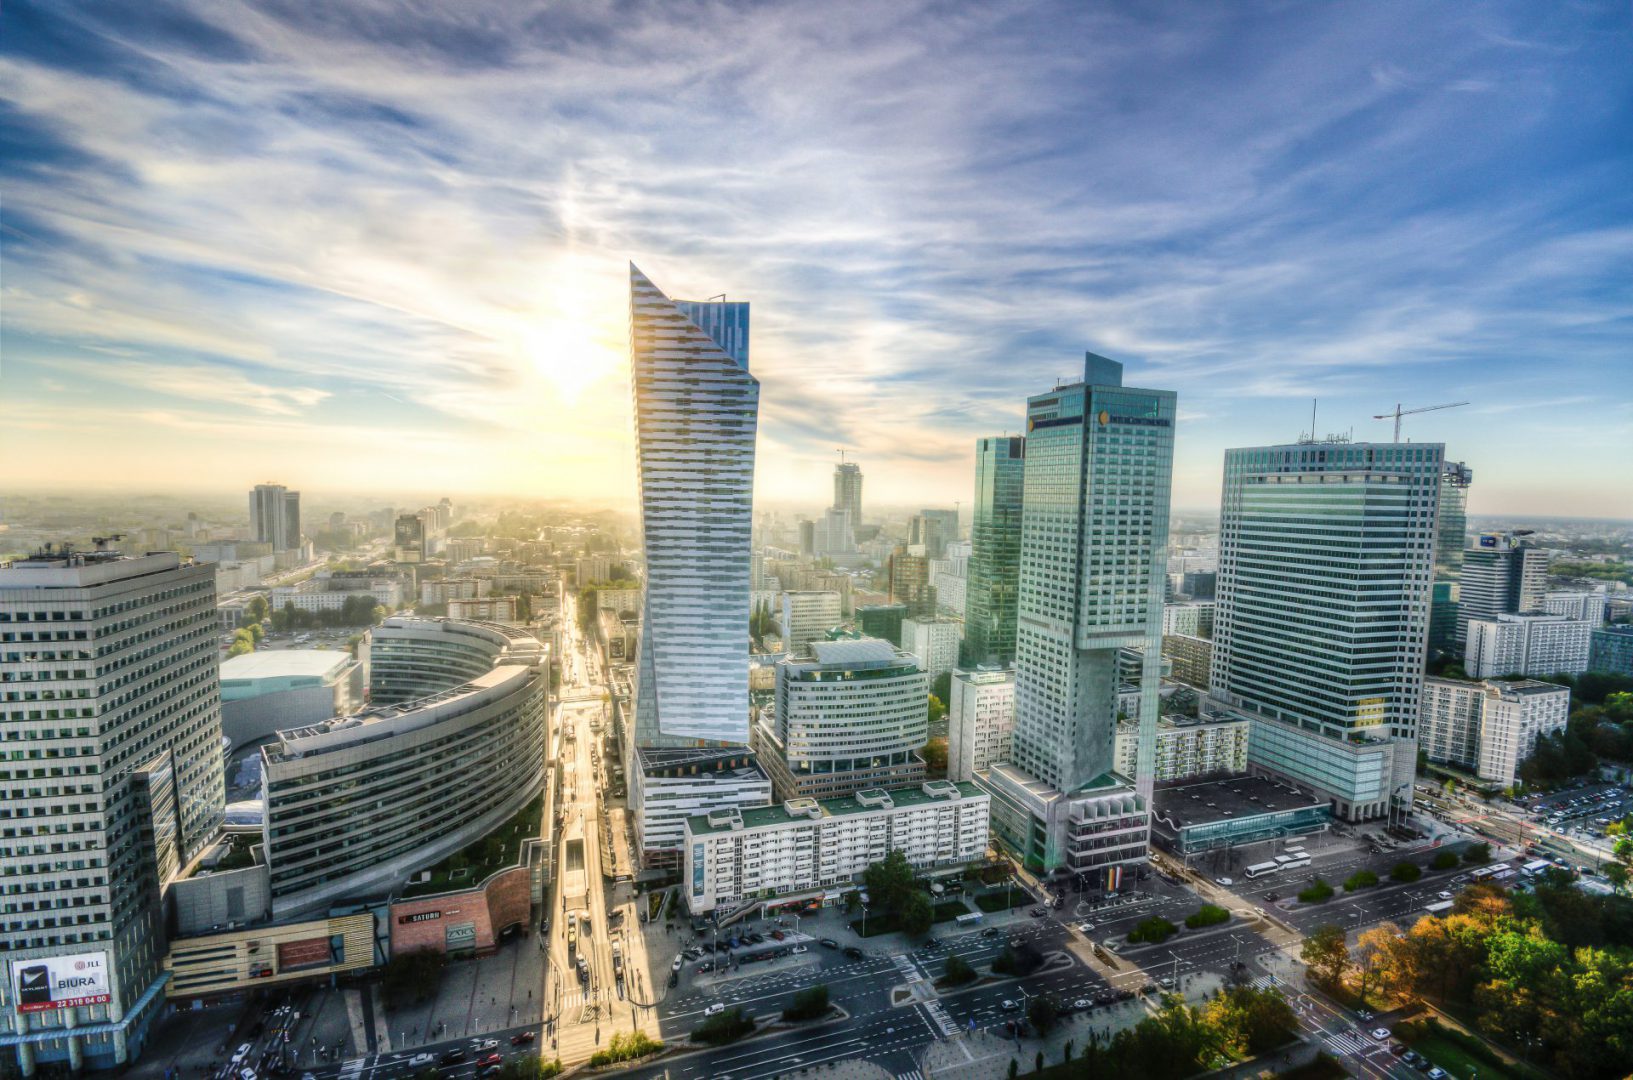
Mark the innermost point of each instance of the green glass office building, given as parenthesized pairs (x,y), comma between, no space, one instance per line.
(995,552)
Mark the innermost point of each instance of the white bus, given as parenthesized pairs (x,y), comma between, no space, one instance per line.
(967,918)
(1261,869)
(1494,872)
(1293,860)
(1439,908)
(1536,866)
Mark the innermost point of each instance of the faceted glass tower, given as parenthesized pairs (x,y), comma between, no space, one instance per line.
(995,552)
(1451,529)
(696,408)
(1326,562)
(848,490)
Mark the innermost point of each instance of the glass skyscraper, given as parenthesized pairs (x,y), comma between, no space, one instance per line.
(696,407)
(1326,563)
(995,551)
(848,490)
(1093,548)
(1451,536)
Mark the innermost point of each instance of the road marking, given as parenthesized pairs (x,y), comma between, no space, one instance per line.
(937,1013)
(905,965)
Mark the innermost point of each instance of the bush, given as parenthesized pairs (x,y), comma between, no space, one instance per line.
(1478,854)
(1361,879)
(1445,860)
(1023,960)
(808,1004)
(956,972)
(1406,871)
(1319,892)
(627,1046)
(1043,1012)
(1155,929)
(721,1028)
(1207,915)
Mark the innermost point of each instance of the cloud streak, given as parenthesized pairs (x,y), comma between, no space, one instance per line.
(373,216)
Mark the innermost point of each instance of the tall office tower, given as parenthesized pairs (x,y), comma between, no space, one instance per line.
(109,666)
(1326,562)
(882,621)
(1502,575)
(1094,540)
(995,552)
(933,530)
(980,720)
(807,537)
(852,716)
(834,534)
(910,583)
(275,516)
(848,490)
(696,407)
(1451,536)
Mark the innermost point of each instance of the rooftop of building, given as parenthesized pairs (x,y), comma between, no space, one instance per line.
(284,663)
(985,676)
(1184,805)
(1046,792)
(866,801)
(50,568)
(856,651)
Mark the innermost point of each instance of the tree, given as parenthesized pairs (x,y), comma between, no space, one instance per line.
(1445,860)
(1371,953)
(1318,892)
(1043,1011)
(1477,854)
(938,709)
(942,686)
(1406,871)
(1153,929)
(1014,1068)
(242,642)
(889,881)
(808,1004)
(1362,879)
(257,610)
(934,754)
(1250,1021)
(1326,953)
(957,971)
(915,915)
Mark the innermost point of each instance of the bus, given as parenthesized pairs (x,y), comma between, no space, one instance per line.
(1293,860)
(1536,866)
(1494,872)
(967,918)
(1261,869)
(1439,908)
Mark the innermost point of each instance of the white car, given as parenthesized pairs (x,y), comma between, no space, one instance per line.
(1085,927)
(480,1045)
(714,1010)
(1009,1006)
(421,1059)
(1380,1034)
(797,949)
(1225,881)
(1443,895)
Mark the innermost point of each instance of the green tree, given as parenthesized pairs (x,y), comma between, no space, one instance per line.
(889,881)
(1044,1012)
(934,753)
(808,1004)
(957,971)
(1326,953)
(938,709)
(1477,854)
(242,642)
(916,914)
(1405,871)
(1249,1020)
(1445,860)
(1154,929)
(257,610)
(1317,892)
(1362,879)
(942,686)
(257,633)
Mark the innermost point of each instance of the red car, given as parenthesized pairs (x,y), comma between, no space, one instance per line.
(491,1059)
(778,934)
(523,1038)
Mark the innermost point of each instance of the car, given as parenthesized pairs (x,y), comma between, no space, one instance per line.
(452,1057)
(674,979)
(1437,1073)
(1038,912)
(1272,896)
(1015,942)
(1125,995)
(489,1072)
(703,968)
(246,1074)
(480,1045)
(1085,927)
(798,949)
(522,1038)
(1149,988)
(420,1059)
(676,965)
(828,943)
(242,1052)
(778,935)
(1381,1034)
(1397,1047)
(1167,982)
(1112,944)
(1009,1006)
(853,952)
(1082,1003)
(991,931)
(1104,997)
(758,939)
(1443,895)
(714,1010)
(491,1059)
(1225,881)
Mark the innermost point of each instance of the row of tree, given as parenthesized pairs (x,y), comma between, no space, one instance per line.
(1552,969)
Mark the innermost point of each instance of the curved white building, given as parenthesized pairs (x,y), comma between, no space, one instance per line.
(409,657)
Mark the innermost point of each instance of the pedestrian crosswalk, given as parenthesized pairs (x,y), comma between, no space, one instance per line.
(572,999)
(1265,982)
(1348,1043)
(946,1024)
(909,970)
(911,1074)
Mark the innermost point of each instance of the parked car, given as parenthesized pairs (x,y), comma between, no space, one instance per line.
(1225,881)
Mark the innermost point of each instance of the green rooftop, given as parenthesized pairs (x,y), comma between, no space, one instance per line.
(870,799)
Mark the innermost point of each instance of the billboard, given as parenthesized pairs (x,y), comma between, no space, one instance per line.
(59,982)
(306,953)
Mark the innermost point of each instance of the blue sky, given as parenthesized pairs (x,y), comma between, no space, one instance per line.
(369,246)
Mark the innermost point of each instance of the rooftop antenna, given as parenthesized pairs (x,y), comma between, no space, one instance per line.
(1400,412)
(1312,418)
(840,450)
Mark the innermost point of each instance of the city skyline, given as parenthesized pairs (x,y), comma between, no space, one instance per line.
(304,237)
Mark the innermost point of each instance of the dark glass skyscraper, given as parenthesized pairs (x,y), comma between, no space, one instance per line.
(1451,533)
(995,552)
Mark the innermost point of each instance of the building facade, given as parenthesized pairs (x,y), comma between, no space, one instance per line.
(980,721)
(108,674)
(882,621)
(1321,628)
(408,657)
(1535,644)
(1094,538)
(993,579)
(807,616)
(910,584)
(1503,574)
(1588,606)
(806,845)
(267,690)
(1191,657)
(934,640)
(1187,748)
(275,516)
(848,490)
(852,717)
(672,785)
(1611,649)
(1194,619)
(1451,539)
(1489,728)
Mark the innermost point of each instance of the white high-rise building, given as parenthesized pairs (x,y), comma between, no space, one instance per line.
(980,718)
(1489,728)
(835,533)
(696,410)
(109,668)
(1535,644)
(807,616)
(934,641)
(1586,605)
(1502,575)
(1094,539)
(1326,567)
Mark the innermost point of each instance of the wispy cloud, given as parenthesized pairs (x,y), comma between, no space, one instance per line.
(365,216)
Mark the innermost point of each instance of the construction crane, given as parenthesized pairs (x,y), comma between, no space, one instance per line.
(1400,412)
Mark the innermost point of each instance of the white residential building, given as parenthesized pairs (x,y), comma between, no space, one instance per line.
(1489,727)
(1533,644)
(1194,619)
(980,718)
(805,846)
(446,589)
(807,616)
(673,785)
(618,599)
(487,608)
(934,641)
(1188,748)
(1588,606)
